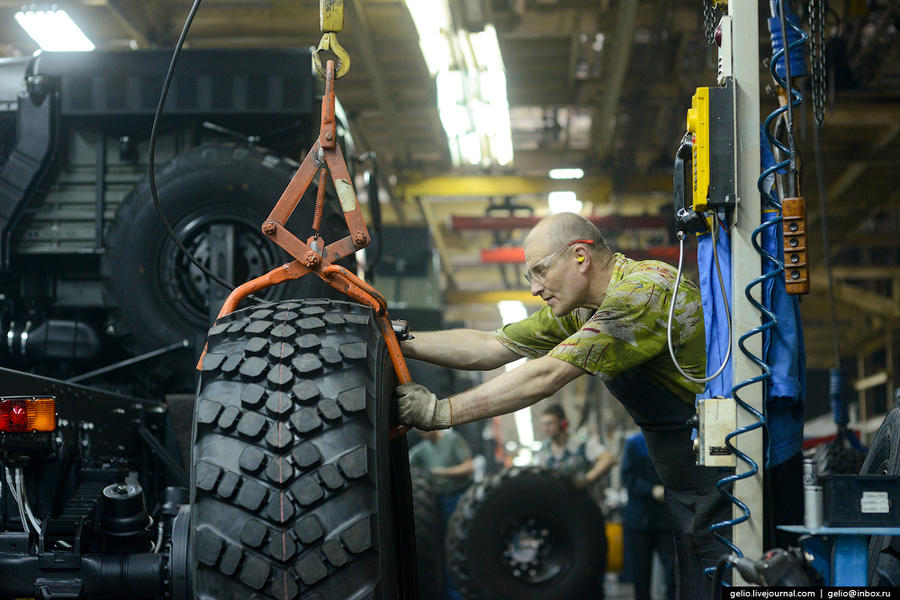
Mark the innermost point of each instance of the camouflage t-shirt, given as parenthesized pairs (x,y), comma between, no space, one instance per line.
(627,331)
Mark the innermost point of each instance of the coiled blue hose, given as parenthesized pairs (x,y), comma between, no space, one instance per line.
(795,39)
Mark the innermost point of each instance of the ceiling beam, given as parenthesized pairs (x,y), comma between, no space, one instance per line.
(592,188)
(362,36)
(129,14)
(852,173)
(440,244)
(493,297)
(857,113)
(602,223)
(603,123)
(866,271)
(870,302)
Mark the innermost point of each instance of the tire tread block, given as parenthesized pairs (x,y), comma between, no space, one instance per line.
(306,455)
(208,411)
(307,491)
(254,573)
(282,547)
(358,537)
(207,474)
(212,361)
(309,529)
(353,400)
(209,547)
(354,464)
(311,568)
(252,425)
(305,391)
(252,396)
(254,533)
(228,565)
(251,495)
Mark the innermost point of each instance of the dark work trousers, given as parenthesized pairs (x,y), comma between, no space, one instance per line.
(640,556)
(692,499)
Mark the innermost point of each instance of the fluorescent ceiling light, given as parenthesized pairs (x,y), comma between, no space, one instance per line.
(486,49)
(53,30)
(471,85)
(563,202)
(432,21)
(566,173)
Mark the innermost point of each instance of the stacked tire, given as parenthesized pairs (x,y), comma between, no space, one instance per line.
(528,534)
(226,185)
(883,458)
(297,490)
(429,522)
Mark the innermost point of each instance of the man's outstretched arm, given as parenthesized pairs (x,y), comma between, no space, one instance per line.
(521,387)
(467,349)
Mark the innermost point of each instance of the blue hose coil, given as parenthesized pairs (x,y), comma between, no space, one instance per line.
(796,39)
(797,53)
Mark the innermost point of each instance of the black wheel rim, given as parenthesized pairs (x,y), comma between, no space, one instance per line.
(187,287)
(535,549)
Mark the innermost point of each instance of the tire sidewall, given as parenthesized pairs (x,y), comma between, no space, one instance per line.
(210,184)
(480,527)
(883,458)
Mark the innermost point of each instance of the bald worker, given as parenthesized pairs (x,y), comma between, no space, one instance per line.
(605,315)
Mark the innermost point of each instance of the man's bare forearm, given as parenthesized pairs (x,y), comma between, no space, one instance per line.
(521,387)
(467,349)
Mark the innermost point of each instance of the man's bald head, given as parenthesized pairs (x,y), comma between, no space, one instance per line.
(559,229)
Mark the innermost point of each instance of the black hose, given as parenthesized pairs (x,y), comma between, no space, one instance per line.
(151,170)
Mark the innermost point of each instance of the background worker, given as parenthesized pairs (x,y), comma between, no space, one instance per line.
(644,519)
(606,316)
(567,453)
(447,456)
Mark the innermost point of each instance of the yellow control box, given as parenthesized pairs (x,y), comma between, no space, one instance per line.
(698,125)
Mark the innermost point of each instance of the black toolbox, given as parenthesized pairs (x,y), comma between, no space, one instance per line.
(860,500)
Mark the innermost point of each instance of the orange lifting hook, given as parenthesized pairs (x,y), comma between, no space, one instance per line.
(311,256)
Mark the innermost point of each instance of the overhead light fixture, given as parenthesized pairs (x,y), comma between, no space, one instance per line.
(471,85)
(566,173)
(432,21)
(564,202)
(53,30)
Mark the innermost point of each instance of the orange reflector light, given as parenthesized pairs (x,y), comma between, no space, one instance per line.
(20,415)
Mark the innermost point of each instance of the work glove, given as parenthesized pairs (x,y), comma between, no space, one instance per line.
(420,408)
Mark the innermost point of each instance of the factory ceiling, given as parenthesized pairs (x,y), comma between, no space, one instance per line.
(601,85)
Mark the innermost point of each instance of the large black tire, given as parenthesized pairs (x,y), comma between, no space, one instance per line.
(156,295)
(528,534)
(292,485)
(884,459)
(429,520)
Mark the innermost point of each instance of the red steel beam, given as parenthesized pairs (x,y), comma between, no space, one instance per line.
(506,255)
(602,223)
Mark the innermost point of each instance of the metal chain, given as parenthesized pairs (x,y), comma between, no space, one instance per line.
(817,57)
(709,21)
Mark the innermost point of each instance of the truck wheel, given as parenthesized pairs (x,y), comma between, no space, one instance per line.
(429,521)
(526,533)
(294,479)
(157,296)
(884,459)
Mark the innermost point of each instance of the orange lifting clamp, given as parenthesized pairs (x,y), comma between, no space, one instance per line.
(313,256)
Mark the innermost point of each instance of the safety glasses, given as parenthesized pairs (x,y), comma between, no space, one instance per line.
(539,270)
